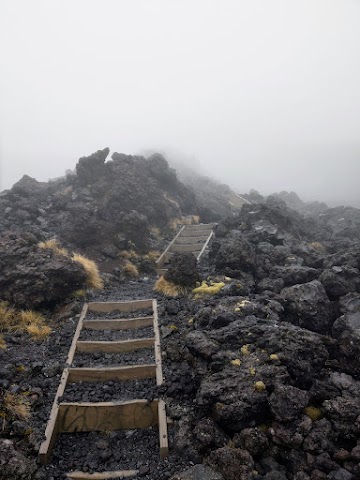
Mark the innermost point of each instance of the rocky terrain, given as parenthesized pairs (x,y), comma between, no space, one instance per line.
(262,378)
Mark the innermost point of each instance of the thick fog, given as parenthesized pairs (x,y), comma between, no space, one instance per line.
(258,94)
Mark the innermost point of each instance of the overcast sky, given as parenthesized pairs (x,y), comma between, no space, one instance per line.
(261,94)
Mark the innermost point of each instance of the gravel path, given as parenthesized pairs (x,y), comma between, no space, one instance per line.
(111,391)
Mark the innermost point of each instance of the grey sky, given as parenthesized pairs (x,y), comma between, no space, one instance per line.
(264,94)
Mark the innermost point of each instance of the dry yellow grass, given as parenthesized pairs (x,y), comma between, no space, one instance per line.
(155,231)
(29,317)
(25,320)
(2,343)
(7,316)
(38,332)
(128,254)
(92,272)
(318,247)
(33,323)
(130,269)
(54,246)
(169,289)
(153,255)
(15,406)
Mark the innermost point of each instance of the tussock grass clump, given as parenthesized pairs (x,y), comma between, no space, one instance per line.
(7,316)
(53,245)
(33,323)
(130,269)
(92,272)
(169,289)
(2,343)
(318,247)
(14,406)
(128,254)
(152,256)
(25,320)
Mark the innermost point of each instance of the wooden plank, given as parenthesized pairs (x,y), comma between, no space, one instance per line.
(167,257)
(72,350)
(195,233)
(161,271)
(191,240)
(158,360)
(163,433)
(118,323)
(101,476)
(161,260)
(200,227)
(187,248)
(52,427)
(205,245)
(115,347)
(107,307)
(103,416)
(106,374)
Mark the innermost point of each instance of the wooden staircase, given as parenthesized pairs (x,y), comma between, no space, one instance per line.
(190,238)
(67,417)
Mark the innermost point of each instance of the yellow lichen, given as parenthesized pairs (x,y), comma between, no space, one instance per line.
(274,357)
(245,350)
(260,386)
(252,371)
(236,362)
(206,289)
(313,412)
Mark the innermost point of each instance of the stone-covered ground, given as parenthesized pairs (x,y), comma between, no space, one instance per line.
(262,380)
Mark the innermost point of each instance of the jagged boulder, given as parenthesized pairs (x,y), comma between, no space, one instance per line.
(308,306)
(31,277)
(183,270)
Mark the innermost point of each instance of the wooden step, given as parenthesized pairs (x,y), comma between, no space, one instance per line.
(191,240)
(186,248)
(107,416)
(195,233)
(122,346)
(101,475)
(118,323)
(105,374)
(102,416)
(130,306)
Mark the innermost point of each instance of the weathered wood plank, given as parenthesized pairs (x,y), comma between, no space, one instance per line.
(161,260)
(114,347)
(195,233)
(158,361)
(52,427)
(88,417)
(107,307)
(79,327)
(106,374)
(163,433)
(191,240)
(205,245)
(102,475)
(118,323)
(161,271)
(167,257)
(186,248)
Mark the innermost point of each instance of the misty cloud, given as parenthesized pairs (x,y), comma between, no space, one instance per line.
(262,94)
